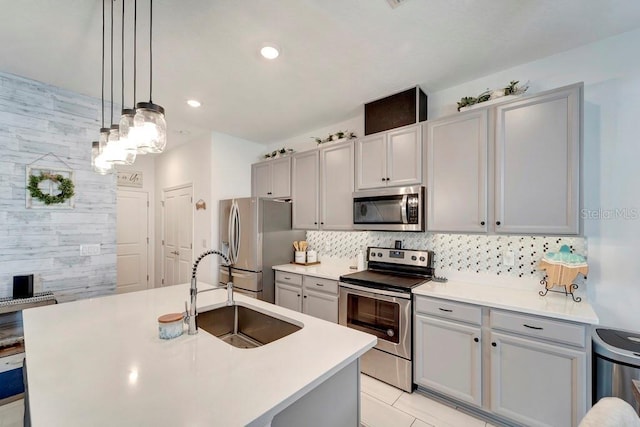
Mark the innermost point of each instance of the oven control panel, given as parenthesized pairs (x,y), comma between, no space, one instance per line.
(399,256)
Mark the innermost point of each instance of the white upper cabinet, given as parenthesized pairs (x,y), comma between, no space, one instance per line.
(305,190)
(457,172)
(537,163)
(271,178)
(336,187)
(391,158)
(512,168)
(323,187)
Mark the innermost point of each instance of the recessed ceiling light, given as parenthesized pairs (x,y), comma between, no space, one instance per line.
(193,103)
(270,52)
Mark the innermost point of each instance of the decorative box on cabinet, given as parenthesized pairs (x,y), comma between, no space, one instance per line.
(271,178)
(323,187)
(401,109)
(533,173)
(389,159)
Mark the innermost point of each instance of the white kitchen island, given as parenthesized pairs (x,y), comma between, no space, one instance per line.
(99,362)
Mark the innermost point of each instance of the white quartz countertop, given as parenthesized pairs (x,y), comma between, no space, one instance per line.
(325,270)
(99,362)
(558,306)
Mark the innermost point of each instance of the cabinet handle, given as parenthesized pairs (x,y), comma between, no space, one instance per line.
(384,179)
(298,294)
(287,278)
(537,328)
(305,296)
(497,222)
(322,223)
(444,309)
(494,344)
(481,222)
(319,284)
(388,179)
(476,339)
(315,223)
(269,192)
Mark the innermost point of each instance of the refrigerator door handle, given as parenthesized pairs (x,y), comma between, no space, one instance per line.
(234,232)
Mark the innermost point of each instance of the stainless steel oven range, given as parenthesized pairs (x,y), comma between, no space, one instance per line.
(378,301)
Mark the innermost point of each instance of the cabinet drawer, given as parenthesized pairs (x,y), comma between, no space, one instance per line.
(322,285)
(449,310)
(549,329)
(291,278)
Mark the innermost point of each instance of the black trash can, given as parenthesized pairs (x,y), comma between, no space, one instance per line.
(616,361)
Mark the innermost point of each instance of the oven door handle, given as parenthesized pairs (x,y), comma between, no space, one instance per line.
(381,294)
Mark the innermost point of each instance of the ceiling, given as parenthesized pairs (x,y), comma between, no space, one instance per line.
(336,54)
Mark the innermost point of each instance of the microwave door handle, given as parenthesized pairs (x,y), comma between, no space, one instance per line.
(404,208)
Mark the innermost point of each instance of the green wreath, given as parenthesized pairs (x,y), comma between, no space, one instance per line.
(65,185)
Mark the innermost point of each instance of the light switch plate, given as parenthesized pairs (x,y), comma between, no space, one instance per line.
(88,250)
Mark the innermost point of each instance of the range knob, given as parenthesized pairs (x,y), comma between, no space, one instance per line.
(421,258)
(413,258)
(373,254)
(379,253)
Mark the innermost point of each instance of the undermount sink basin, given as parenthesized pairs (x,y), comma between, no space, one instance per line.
(244,327)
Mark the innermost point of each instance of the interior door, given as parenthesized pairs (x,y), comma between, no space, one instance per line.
(178,235)
(132,241)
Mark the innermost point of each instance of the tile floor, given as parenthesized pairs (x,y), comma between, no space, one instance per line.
(381,404)
(386,406)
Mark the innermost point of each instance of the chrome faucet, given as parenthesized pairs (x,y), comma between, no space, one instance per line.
(191,313)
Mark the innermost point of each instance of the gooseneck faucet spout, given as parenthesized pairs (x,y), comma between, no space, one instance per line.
(191,314)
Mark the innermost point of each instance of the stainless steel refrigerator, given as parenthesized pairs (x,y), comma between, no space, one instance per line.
(256,234)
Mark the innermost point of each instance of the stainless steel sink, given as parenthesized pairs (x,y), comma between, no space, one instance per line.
(244,327)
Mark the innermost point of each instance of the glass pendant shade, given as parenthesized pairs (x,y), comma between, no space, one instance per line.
(98,163)
(127,138)
(115,152)
(150,128)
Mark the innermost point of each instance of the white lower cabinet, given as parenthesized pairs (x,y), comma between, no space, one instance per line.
(536,383)
(531,369)
(315,296)
(448,358)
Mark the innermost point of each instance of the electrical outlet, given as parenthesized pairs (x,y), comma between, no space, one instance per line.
(88,250)
(509,259)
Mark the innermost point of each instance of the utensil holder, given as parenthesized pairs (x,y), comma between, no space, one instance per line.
(300,257)
(312,256)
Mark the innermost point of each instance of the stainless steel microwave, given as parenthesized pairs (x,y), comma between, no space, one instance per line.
(389,209)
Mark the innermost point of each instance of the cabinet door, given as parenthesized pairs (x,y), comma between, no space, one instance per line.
(288,296)
(321,305)
(261,179)
(304,185)
(371,162)
(336,187)
(457,173)
(537,163)
(448,358)
(404,156)
(281,178)
(537,384)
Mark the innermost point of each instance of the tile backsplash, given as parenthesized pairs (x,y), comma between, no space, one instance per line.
(461,252)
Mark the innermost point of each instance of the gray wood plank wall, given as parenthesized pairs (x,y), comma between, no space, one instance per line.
(37,119)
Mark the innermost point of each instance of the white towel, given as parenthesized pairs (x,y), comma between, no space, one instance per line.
(611,412)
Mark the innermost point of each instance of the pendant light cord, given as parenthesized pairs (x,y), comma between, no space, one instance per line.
(102,70)
(111,1)
(122,56)
(150,50)
(135,48)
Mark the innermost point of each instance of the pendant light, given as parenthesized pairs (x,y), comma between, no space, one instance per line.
(151,127)
(115,151)
(127,129)
(98,156)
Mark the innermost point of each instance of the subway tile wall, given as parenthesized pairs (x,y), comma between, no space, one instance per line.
(461,252)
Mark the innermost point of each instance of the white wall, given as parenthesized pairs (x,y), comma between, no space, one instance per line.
(306,141)
(231,160)
(186,164)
